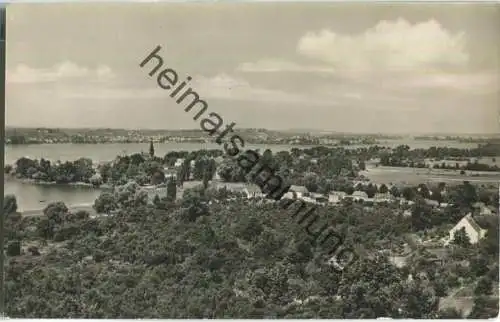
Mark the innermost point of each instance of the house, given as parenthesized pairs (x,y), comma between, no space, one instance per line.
(170,173)
(472,229)
(298,191)
(317,197)
(432,203)
(336,196)
(485,211)
(153,191)
(360,195)
(383,197)
(253,191)
(403,201)
(178,162)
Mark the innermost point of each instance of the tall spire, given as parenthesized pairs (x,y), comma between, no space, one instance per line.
(151,149)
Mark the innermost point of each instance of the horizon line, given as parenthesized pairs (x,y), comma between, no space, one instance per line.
(297,130)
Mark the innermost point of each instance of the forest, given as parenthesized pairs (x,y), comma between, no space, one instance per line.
(212,254)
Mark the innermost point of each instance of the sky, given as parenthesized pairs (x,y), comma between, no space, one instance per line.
(366,68)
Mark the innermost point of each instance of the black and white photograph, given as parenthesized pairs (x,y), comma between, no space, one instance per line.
(251,160)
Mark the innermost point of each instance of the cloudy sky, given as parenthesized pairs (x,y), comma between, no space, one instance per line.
(341,67)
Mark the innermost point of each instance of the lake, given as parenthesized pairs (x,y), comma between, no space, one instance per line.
(29,196)
(32,197)
(106,152)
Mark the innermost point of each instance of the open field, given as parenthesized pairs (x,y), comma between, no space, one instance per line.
(414,176)
(491,161)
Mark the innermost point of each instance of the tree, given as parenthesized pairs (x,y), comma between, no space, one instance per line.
(408,193)
(362,165)
(371,190)
(56,212)
(151,149)
(157,201)
(206,178)
(423,190)
(479,265)
(158,177)
(484,308)
(137,158)
(171,190)
(83,170)
(105,203)
(23,164)
(461,238)
(9,204)
(311,182)
(7,169)
(383,188)
(395,191)
(194,204)
(267,158)
(483,287)
(420,215)
(14,248)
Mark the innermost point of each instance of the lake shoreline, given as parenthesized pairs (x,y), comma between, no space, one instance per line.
(9,178)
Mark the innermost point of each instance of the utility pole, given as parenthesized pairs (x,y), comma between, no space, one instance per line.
(2,160)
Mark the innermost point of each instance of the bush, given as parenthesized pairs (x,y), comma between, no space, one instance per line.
(105,203)
(9,204)
(66,232)
(14,248)
(82,215)
(34,250)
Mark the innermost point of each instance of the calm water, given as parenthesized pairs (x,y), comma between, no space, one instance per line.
(30,196)
(37,196)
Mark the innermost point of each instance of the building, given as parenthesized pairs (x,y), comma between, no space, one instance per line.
(336,196)
(383,197)
(360,195)
(432,203)
(253,191)
(472,229)
(178,162)
(298,191)
(153,191)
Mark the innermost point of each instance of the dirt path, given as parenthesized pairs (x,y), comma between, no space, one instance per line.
(39,212)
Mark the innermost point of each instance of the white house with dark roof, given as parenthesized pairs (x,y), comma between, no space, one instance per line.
(472,229)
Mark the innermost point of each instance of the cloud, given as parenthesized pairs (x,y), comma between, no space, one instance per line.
(472,83)
(219,87)
(391,56)
(389,45)
(226,87)
(274,65)
(24,74)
